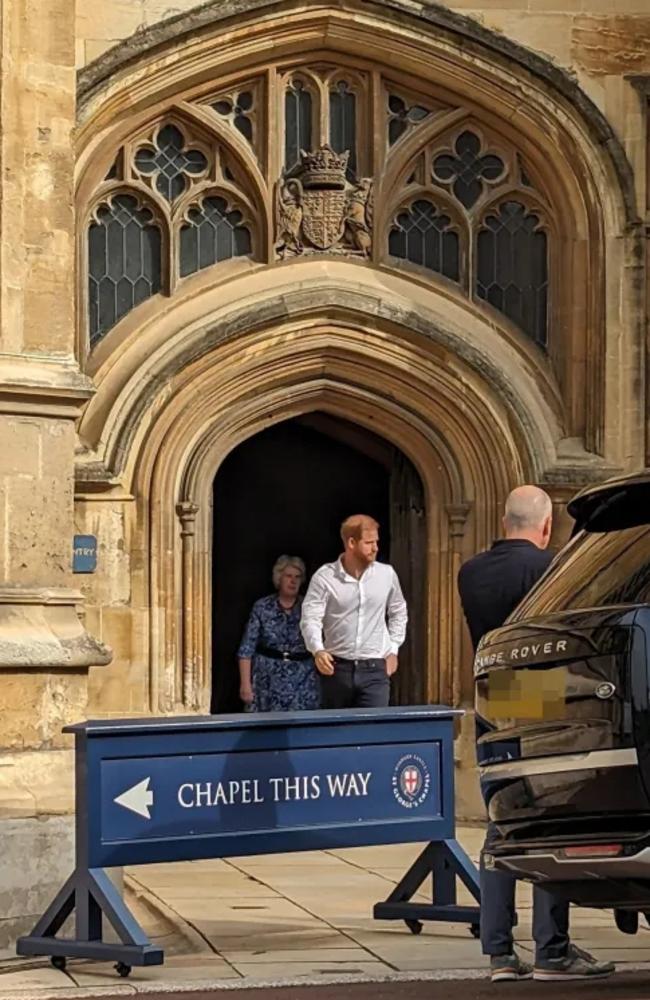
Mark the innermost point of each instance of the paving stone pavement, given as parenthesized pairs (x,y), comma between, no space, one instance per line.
(295,917)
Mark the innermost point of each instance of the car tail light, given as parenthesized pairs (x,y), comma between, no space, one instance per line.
(593,851)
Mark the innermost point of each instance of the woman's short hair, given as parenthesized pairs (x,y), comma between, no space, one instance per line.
(284,562)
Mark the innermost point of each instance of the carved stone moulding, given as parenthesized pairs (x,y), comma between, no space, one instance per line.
(40,628)
(45,655)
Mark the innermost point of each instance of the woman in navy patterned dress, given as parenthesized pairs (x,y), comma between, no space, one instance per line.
(277,673)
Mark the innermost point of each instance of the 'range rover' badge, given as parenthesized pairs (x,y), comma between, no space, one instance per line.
(605,690)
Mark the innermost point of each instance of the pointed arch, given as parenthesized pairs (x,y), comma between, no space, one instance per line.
(566,144)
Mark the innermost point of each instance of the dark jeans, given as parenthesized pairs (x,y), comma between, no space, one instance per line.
(356,684)
(550,915)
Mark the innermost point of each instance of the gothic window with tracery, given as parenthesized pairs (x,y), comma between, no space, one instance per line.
(173,202)
(124,260)
(212,232)
(402,116)
(424,235)
(238,109)
(512,272)
(503,259)
(466,170)
(169,162)
(311,159)
(297,121)
(343,123)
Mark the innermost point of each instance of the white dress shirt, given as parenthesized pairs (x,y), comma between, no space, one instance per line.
(347,616)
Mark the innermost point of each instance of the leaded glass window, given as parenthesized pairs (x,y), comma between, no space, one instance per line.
(297,122)
(343,123)
(402,116)
(512,267)
(170,162)
(355,126)
(237,109)
(212,233)
(423,235)
(124,261)
(466,170)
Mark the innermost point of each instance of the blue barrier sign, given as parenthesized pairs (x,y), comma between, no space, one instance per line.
(152,790)
(191,796)
(84,554)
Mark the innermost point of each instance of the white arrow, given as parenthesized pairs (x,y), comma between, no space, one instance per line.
(137,799)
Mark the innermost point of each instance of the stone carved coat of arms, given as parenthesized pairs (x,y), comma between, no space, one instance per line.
(319,209)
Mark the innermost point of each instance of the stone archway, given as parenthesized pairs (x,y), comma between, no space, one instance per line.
(174,424)
(182,560)
(424,374)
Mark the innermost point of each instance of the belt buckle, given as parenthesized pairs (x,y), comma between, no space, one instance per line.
(285,655)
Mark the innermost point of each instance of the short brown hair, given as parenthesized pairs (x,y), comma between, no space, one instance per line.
(355,525)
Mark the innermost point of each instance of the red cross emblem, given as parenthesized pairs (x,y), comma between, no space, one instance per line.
(411,780)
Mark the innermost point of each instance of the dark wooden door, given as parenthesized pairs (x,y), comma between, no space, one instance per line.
(408,535)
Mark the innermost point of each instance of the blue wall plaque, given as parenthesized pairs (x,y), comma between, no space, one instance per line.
(84,554)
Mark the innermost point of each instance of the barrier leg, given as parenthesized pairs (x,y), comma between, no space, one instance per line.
(444,861)
(91,895)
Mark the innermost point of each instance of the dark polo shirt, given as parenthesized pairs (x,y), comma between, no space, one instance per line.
(493,583)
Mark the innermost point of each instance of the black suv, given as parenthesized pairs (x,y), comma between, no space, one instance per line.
(563,701)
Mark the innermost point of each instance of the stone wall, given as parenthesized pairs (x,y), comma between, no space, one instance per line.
(45,652)
(596,39)
(600,47)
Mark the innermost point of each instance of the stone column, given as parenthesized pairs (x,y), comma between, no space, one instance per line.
(560,494)
(45,652)
(457,516)
(187,512)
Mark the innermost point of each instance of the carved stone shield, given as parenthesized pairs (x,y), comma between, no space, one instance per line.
(322,221)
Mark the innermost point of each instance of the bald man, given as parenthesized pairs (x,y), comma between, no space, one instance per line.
(491,585)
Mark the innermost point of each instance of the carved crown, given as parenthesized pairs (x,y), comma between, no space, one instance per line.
(323,168)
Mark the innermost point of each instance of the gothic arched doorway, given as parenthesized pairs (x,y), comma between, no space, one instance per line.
(286,490)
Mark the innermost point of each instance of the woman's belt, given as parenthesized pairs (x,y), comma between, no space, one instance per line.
(278,654)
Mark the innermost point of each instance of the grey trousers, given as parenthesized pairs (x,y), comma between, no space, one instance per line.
(356,684)
(550,915)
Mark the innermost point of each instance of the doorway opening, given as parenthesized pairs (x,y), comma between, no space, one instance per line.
(287,490)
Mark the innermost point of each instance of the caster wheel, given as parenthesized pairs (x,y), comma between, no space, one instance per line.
(627,921)
(415,926)
(122,969)
(58,962)
(475,930)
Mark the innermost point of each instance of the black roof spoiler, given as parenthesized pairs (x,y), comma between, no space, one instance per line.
(619,503)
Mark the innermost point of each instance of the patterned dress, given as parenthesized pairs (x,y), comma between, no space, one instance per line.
(278,685)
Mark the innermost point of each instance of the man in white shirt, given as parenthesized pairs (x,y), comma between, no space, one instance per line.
(354,621)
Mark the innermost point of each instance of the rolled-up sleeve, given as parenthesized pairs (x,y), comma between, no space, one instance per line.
(313,612)
(397,614)
(251,635)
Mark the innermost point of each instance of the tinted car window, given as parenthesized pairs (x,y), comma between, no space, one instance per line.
(595,569)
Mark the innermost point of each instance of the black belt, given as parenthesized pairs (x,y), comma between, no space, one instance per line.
(277,654)
(371,661)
